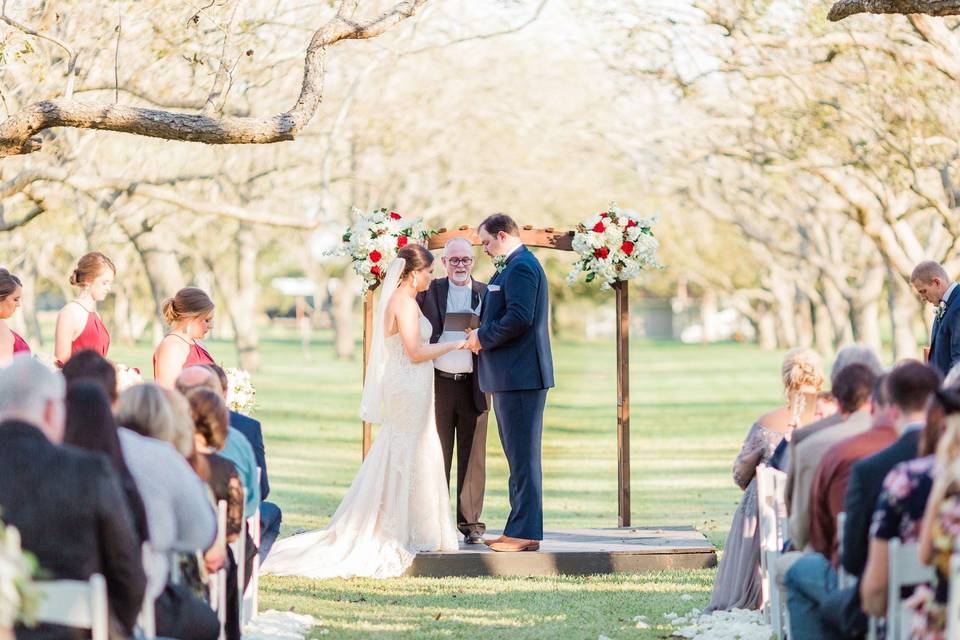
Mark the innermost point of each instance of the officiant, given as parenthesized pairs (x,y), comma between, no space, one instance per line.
(452,304)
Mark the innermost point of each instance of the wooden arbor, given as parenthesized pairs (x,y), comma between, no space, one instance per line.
(563,240)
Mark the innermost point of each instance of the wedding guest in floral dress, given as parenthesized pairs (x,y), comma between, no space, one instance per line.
(79,326)
(737,584)
(941,525)
(190,316)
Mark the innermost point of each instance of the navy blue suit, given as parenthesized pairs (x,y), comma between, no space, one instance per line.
(516,366)
(945,337)
(270,515)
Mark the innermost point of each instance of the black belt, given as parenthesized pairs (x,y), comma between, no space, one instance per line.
(456,377)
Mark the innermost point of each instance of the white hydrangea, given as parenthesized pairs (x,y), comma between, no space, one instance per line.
(127,377)
(241,394)
(614,246)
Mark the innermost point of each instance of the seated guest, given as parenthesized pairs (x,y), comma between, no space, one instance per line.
(90,425)
(236,449)
(179,513)
(817,608)
(938,535)
(270,515)
(738,578)
(899,510)
(851,387)
(833,474)
(210,419)
(67,503)
(851,354)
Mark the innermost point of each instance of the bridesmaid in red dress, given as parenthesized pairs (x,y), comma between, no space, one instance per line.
(79,326)
(10,342)
(190,316)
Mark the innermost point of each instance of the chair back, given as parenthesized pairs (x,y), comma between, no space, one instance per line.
(953,599)
(772,513)
(844,579)
(147,620)
(250,602)
(81,604)
(906,570)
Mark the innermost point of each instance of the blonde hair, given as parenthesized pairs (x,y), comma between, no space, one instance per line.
(144,408)
(182,421)
(189,302)
(801,367)
(89,267)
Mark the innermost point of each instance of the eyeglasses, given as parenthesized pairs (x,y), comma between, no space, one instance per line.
(460,261)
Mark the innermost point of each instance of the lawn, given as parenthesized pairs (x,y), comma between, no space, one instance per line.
(691,406)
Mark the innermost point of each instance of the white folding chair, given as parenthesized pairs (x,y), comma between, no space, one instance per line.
(906,570)
(251,596)
(771,486)
(218,580)
(953,598)
(147,620)
(81,604)
(239,548)
(844,579)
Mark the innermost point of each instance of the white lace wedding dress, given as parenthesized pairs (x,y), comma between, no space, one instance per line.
(398,503)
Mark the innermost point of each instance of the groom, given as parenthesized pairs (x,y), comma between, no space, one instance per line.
(516,366)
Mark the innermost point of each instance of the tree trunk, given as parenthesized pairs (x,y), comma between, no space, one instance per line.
(28,303)
(823,332)
(162,266)
(903,315)
(708,316)
(865,309)
(766,329)
(343,319)
(245,301)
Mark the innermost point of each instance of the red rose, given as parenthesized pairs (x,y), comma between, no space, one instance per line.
(603,215)
(631,223)
(599,228)
(375,256)
(394,215)
(602,252)
(375,270)
(401,242)
(627,247)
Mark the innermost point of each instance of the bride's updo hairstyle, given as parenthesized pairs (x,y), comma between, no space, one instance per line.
(190,302)
(802,373)
(416,258)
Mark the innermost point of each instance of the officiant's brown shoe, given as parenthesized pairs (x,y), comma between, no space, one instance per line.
(510,545)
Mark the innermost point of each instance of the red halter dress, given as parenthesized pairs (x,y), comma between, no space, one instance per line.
(19,344)
(94,336)
(197,355)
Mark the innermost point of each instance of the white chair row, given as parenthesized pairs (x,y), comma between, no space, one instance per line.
(905,570)
(771,499)
(81,604)
(953,597)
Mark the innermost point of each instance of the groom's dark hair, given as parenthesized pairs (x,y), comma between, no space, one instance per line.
(497,222)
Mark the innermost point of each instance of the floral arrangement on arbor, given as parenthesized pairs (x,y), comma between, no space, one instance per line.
(241,394)
(18,600)
(614,246)
(374,239)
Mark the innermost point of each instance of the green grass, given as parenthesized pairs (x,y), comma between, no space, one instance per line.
(691,406)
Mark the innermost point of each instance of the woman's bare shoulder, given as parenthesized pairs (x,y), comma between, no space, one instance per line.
(776,420)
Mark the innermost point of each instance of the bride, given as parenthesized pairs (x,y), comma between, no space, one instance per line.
(399,502)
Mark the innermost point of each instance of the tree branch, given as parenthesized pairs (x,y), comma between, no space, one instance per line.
(16,131)
(845,8)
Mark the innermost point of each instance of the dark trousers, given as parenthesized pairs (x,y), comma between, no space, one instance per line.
(181,614)
(520,421)
(270,517)
(458,418)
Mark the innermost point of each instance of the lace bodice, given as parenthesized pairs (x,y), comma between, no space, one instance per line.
(757,438)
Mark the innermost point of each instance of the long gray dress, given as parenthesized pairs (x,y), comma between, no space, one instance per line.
(737,585)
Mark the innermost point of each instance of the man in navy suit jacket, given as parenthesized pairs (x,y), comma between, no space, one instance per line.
(934,285)
(516,366)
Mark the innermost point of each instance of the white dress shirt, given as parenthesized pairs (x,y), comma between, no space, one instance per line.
(459,300)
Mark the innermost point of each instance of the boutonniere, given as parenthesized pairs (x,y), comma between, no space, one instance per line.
(499,262)
(941,309)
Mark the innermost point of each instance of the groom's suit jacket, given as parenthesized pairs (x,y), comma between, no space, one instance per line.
(514,330)
(945,337)
(433,303)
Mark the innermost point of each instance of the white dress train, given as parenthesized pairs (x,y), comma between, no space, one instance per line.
(398,504)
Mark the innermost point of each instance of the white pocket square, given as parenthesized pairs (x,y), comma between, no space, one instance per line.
(493,287)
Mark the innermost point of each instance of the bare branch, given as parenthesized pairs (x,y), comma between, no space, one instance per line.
(16,131)
(845,8)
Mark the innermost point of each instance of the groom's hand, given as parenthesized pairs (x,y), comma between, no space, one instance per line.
(473,341)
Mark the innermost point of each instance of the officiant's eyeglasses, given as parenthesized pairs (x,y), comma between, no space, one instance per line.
(460,261)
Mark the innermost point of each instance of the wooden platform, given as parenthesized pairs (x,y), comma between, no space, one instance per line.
(578,552)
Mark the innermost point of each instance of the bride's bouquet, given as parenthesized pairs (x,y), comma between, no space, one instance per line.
(614,245)
(241,394)
(374,239)
(127,377)
(18,600)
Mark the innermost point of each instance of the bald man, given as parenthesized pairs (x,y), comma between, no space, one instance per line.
(932,283)
(460,406)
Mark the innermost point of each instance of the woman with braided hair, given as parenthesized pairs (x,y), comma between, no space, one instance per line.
(738,579)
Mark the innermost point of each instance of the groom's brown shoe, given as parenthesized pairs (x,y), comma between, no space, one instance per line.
(510,545)
(490,541)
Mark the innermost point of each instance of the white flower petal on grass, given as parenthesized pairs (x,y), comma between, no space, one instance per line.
(738,624)
(280,625)
(686,596)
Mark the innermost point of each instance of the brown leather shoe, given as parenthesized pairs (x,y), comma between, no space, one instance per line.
(511,545)
(490,541)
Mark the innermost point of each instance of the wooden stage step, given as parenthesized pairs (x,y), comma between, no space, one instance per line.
(578,552)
